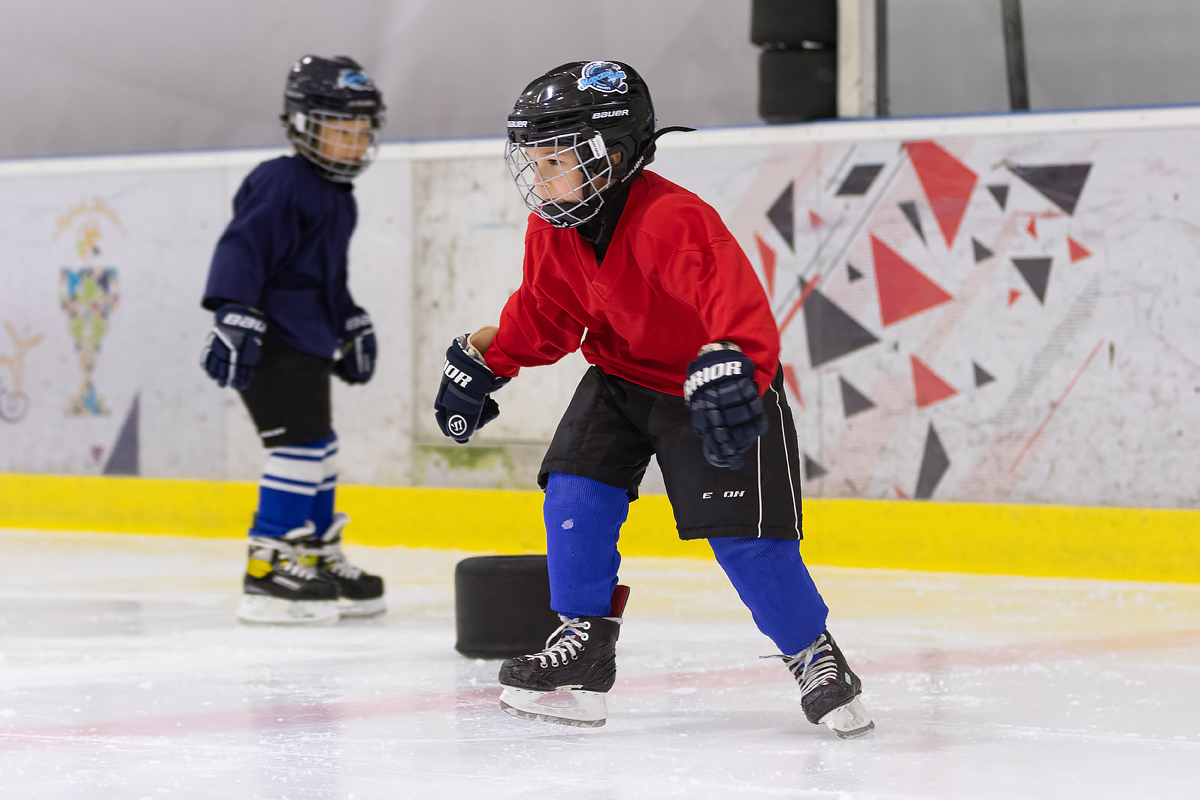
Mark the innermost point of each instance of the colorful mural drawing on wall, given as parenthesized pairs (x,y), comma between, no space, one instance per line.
(14,403)
(902,274)
(88,295)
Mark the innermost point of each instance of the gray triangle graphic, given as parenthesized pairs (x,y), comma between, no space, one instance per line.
(982,376)
(123,458)
(1061,184)
(981,251)
(1000,192)
(812,469)
(859,180)
(1036,272)
(831,332)
(782,216)
(909,207)
(934,464)
(853,273)
(853,401)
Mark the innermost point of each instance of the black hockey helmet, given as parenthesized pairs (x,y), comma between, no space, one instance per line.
(323,94)
(595,109)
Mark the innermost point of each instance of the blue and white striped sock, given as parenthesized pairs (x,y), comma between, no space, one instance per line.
(322,513)
(288,490)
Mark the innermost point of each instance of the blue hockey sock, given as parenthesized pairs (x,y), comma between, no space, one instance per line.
(583,521)
(288,488)
(322,512)
(773,582)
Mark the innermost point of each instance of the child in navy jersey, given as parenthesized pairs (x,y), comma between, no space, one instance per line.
(284,323)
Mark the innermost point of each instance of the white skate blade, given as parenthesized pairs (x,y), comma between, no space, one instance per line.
(261,609)
(565,707)
(849,720)
(361,608)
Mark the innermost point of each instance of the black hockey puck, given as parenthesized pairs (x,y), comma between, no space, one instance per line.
(502,606)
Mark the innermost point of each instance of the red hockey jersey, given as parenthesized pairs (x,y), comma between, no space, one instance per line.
(673,279)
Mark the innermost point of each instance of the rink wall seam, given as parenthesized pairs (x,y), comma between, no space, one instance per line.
(1048,541)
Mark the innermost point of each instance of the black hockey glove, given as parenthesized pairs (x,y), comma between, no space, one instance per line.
(727,413)
(355,362)
(463,404)
(233,345)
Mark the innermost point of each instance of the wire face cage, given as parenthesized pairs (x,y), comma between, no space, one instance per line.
(561,178)
(340,145)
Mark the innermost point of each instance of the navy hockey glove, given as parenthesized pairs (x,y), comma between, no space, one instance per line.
(355,362)
(233,345)
(462,405)
(727,413)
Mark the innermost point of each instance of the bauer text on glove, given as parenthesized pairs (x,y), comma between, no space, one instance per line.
(233,345)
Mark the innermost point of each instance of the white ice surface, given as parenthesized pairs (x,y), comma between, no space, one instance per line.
(123,675)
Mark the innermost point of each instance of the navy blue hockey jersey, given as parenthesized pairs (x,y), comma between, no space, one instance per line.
(284,253)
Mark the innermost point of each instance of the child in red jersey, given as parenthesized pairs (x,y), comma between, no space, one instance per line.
(644,277)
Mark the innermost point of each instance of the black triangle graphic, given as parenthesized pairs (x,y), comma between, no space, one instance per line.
(982,376)
(1000,192)
(853,401)
(859,179)
(934,464)
(812,469)
(1036,272)
(831,332)
(981,252)
(853,273)
(123,459)
(1061,184)
(909,207)
(781,216)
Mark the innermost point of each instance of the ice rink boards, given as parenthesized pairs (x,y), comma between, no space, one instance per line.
(123,675)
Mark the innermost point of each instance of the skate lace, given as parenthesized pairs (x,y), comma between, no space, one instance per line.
(573,633)
(812,666)
(336,562)
(289,565)
(289,562)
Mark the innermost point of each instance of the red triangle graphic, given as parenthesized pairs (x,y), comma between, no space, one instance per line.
(1013,294)
(1032,227)
(1077,251)
(948,184)
(903,495)
(789,377)
(768,262)
(929,385)
(903,289)
(814,219)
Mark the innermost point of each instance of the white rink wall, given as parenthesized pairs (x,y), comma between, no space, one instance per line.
(1093,355)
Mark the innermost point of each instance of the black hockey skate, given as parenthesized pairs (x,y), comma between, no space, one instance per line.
(829,690)
(580,659)
(360,594)
(280,590)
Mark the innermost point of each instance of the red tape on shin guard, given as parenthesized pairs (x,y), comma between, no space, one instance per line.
(620,596)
